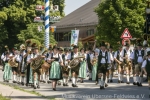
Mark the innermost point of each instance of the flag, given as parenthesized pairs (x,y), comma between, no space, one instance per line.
(74,37)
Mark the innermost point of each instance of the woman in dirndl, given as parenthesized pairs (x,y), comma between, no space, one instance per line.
(82,69)
(55,69)
(7,69)
(94,60)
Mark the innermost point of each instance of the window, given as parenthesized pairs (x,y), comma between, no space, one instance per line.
(63,36)
(90,32)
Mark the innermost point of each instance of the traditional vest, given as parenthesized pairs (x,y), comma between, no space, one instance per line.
(72,55)
(56,59)
(148,66)
(101,56)
(136,55)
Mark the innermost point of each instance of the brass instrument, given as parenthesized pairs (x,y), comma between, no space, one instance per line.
(39,62)
(128,62)
(73,63)
(94,60)
(12,62)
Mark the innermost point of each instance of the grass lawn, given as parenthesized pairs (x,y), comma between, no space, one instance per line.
(3,98)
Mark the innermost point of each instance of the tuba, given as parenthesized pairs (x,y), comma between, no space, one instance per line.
(12,62)
(74,62)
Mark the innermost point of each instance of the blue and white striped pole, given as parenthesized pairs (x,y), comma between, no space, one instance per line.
(47,23)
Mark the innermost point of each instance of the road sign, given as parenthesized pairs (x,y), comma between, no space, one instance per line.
(125,39)
(126,34)
(39,8)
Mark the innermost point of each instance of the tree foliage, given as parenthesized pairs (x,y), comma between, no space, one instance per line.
(16,21)
(116,15)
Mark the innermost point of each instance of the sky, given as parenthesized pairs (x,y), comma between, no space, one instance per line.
(71,5)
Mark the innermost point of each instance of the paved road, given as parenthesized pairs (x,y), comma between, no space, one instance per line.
(89,91)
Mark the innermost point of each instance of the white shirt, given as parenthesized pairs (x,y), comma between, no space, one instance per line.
(128,52)
(56,56)
(116,54)
(140,59)
(103,59)
(144,63)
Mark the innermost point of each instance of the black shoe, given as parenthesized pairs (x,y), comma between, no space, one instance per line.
(44,81)
(140,84)
(111,81)
(146,80)
(48,82)
(81,81)
(128,83)
(54,89)
(90,79)
(106,85)
(22,83)
(38,86)
(102,87)
(27,84)
(119,81)
(64,84)
(7,81)
(134,83)
(35,87)
(70,80)
(75,86)
(67,85)
(14,82)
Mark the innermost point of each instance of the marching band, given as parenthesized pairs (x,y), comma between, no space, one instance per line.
(61,65)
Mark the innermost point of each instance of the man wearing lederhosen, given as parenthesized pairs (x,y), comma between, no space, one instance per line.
(119,63)
(15,58)
(66,61)
(47,57)
(146,69)
(137,57)
(74,71)
(88,59)
(22,64)
(103,63)
(126,54)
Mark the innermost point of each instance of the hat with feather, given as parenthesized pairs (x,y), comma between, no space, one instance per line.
(34,46)
(103,44)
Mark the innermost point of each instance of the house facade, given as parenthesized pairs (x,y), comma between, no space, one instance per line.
(83,19)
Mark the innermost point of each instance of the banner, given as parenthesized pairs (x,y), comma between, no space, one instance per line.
(74,37)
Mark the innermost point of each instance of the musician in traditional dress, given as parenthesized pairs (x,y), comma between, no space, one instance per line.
(89,53)
(47,57)
(82,69)
(137,56)
(146,69)
(119,63)
(111,69)
(94,59)
(125,54)
(29,77)
(7,68)
(103,64)
(75,70)
(15,58)
(6,49)
(65,68)
(55,69)
(22,64)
